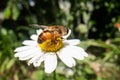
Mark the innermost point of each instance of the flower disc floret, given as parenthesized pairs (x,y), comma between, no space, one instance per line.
(51,45)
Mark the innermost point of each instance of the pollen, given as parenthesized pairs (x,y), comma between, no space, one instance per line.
(51,45)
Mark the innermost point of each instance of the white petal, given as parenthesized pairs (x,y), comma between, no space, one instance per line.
(80,50)
(38,62)
(85,54)
(39,31)
(26,52)
(72,42)
(76,52)
(29,56)
(22,48)
(36,57)
(50,62)
(30,43)
(34,37)
(66,58)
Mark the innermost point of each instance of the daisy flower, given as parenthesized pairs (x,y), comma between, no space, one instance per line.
(48,52)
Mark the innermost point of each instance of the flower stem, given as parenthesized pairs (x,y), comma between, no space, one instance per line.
(54,75)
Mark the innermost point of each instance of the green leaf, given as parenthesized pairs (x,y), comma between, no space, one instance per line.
(82,28)
(3,31)
(10,64)
(16,77)
(88,70)
(15,12)
(37,75)
(3,65)
(7,12)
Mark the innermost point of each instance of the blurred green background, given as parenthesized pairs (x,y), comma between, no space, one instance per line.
(95,22)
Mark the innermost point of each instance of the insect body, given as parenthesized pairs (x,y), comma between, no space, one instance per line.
(52,33)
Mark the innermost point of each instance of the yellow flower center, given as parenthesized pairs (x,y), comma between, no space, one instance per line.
(51,45)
